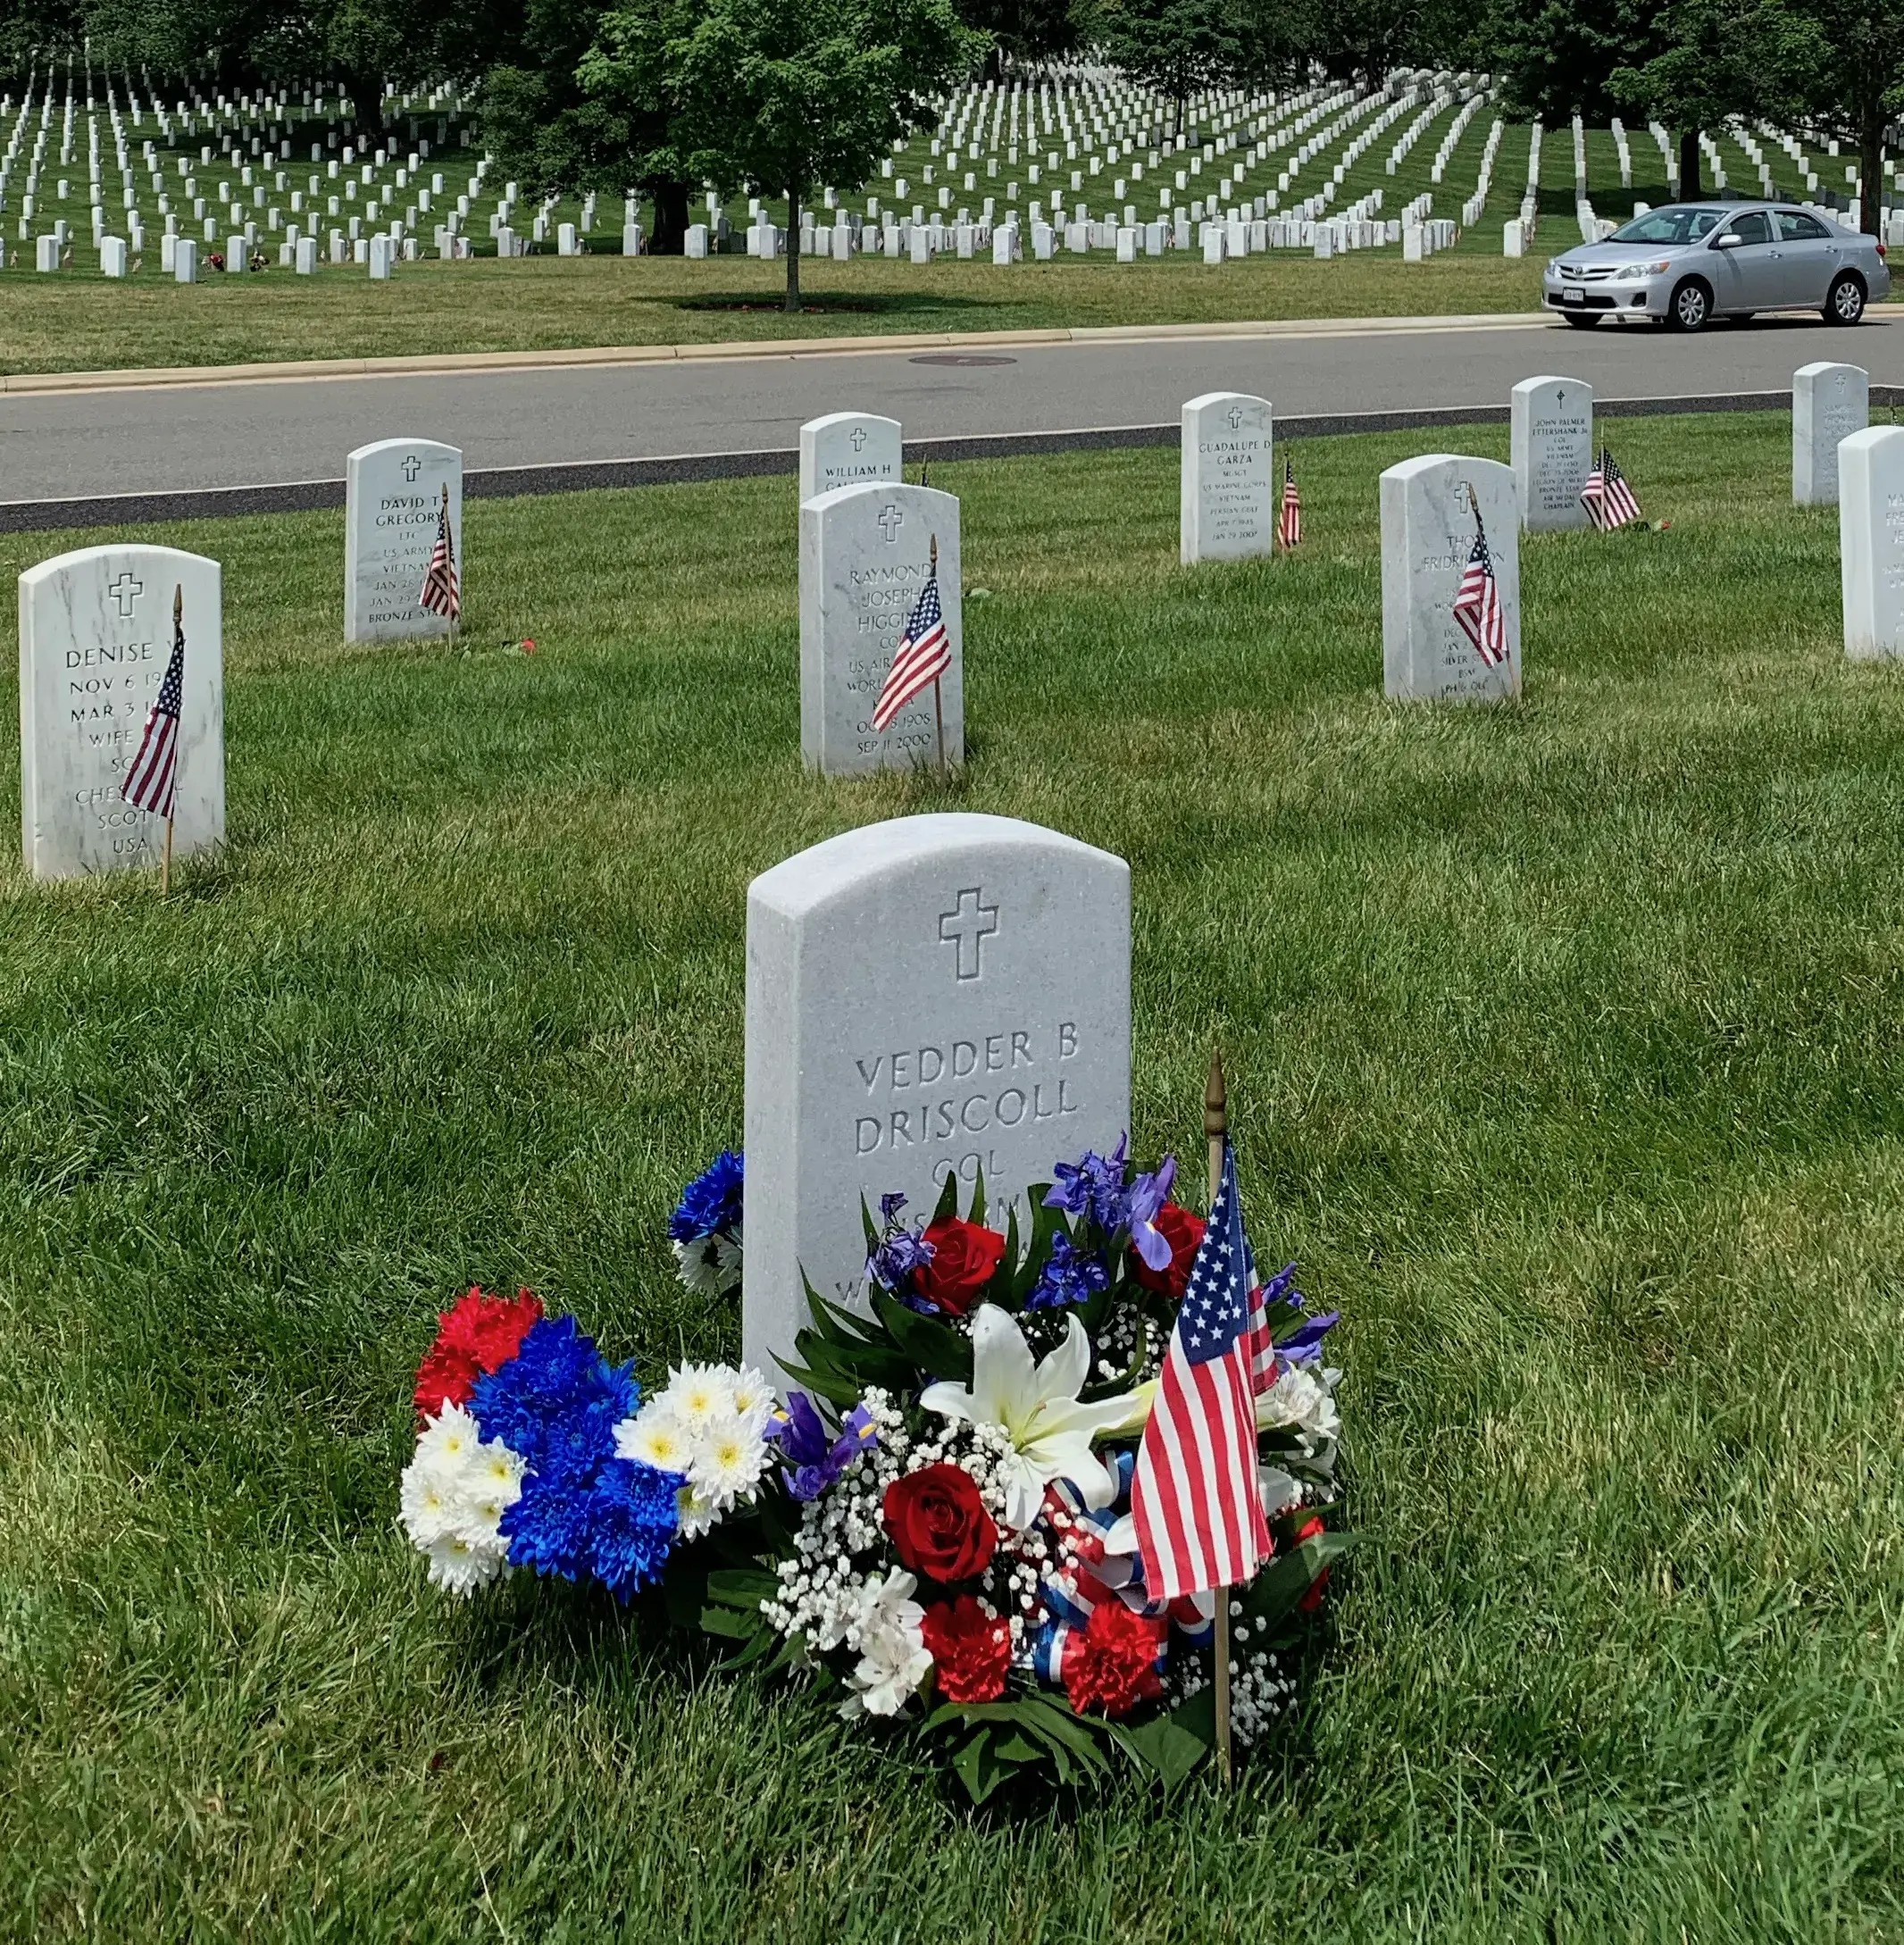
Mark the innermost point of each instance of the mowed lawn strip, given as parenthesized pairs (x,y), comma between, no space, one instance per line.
(1565,1053)
(77,321)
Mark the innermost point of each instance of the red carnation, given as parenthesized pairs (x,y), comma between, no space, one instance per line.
(971,1649)
(966,1257)
(1182,1230)
(939,1524)
(1111,1663)
(1313,1600)
(480,1334)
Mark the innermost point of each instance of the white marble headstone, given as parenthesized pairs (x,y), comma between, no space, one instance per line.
(939,993)
(864,554)
(95,637)
(847,448)
(1428,525)
(1829,403)
(1550,439)
(1227,490)
(1870,540)
(393,494)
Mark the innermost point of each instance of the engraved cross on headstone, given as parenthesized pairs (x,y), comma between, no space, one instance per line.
(858,437)
(412,465)
(890,521)
(124,591)
(1236,417)
(968,925)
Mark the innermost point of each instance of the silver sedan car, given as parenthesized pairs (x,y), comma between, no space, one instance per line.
(1686,264)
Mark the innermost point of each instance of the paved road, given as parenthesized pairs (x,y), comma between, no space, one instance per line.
(183,438)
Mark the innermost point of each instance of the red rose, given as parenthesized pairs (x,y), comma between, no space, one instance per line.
(964,1258)
(480,1334)
(1111,1663)
(939,1524)
(1184,1231)
(1313,1600)
(971,1649)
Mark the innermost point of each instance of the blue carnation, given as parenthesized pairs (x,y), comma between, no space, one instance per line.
(711,1204)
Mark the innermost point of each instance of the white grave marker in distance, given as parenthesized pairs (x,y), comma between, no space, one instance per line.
(1829,403)
(865,555)
(1428,521)
(1550,441)
(1226,486)
(1871,541)
(393,496)
(95,637)
(847,448)
(934,994)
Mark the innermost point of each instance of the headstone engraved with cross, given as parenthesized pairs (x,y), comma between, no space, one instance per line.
(1550,447)
(1227,483)
(95,638)
(846,448)
(865,555)
(940,994)
(1829,403)
(1871,541)
(393,496)
(1430,508)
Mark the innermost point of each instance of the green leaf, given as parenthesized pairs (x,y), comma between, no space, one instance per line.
(739,1586)
(976,1767)
(1276,1589)
(873,1238)
(929,1345)
(978,1198)
(1172,1751)
(947,1197)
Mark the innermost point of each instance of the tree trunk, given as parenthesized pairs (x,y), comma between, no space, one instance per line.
(671,217)
(1871,165)
(1689,165)
(793,250)
(367,102)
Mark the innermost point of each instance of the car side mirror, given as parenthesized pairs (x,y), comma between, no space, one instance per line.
(1728,239)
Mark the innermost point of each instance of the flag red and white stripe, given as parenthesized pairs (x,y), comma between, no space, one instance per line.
(1195,1498)
(1289,522)
(152,782)
(442,594)
(925,654)
(1477,609)
(1609,500)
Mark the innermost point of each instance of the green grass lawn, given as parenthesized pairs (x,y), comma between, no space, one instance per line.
(79,322)
(1566,1052)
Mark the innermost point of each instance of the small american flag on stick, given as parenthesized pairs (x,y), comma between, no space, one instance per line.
(1607,497)
(152,783)
(925,653)
(1289,522)
(1195,1498)
(1477,608)
(441,594)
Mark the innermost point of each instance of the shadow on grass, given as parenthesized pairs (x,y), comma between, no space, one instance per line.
(899,303)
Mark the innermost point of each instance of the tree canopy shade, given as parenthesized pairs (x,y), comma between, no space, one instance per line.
(1022,30)
(1844,74)
(781,97)
(1176,46)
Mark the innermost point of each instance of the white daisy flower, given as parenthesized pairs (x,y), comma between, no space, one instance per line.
(427,1505)
(447,1441)
(459,1568)
(709,1265)
(727,1462)
(754,1401)
(697,1512)
(655,1436)
(700,1394)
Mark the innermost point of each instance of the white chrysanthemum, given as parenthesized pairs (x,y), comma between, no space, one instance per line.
(754,1401)
(697,1511)
(709,1265)
(1301,1401)
(727,1462)
(427,1504)
(452,1499)
(699,1395)
(459,1567)
(447,1441)
(655,1436)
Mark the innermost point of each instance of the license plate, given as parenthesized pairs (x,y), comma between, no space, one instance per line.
(1572,294)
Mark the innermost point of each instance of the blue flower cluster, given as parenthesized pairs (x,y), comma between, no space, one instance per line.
(583,1512)
(1297,1337)
(1070,1277)
(1094,1187)
(901,1254)
(711,1204)
(818,1457)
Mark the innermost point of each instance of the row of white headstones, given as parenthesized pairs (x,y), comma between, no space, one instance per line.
(96,632)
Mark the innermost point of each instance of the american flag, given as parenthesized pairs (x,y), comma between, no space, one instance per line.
(1607,499)
(152,783)
(441,595)
(1194,1497)
(925,653)
(1289,526)
(1477,604)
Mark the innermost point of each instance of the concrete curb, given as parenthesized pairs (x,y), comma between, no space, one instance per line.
(583,476)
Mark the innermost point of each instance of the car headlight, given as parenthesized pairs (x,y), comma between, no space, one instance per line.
(1633,272)
(1553,266)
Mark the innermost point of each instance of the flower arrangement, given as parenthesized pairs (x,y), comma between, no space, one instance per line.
(935,1528)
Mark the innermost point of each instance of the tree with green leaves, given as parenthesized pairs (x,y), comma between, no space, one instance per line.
(1178,47)
(1022,30)
(1844,76)
(780,97)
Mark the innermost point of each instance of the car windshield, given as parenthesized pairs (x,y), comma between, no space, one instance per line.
(1668,226)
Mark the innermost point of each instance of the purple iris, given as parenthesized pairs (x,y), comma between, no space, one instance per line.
(1070,1276)
(818,1459)
(1304,1344)
(1093,1186)
(1149,1194)
(901,1255)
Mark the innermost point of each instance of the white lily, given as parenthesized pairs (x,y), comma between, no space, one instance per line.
(1038,1407)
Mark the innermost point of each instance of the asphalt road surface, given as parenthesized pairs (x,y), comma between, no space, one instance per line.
(78,445)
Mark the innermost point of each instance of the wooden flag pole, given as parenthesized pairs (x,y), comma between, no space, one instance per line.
(177,620)
(1216,1130)
(938,706)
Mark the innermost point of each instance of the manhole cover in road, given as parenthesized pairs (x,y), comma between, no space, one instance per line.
(957,357)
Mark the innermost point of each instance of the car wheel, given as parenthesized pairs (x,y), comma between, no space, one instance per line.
(1583,323)
(1690,309)
(1846,303)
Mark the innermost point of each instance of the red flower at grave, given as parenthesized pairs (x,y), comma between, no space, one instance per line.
(971,1649)
(1111,1662)
(1183,1231)
(938,1523)
(1313,1600)
(966,1255)
(479,1334)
